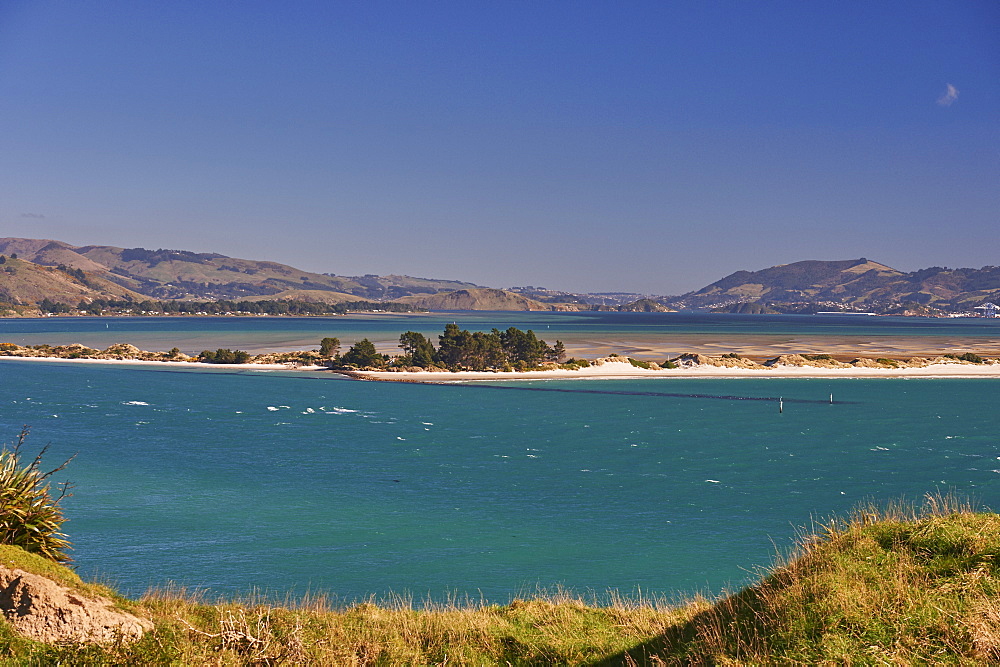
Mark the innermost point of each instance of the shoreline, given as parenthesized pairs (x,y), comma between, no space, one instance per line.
(193,365)
(606,371)
(625,371)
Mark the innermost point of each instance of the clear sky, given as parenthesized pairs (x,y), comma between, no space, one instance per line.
(590,146)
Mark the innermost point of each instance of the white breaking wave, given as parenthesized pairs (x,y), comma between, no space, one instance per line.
(135,403)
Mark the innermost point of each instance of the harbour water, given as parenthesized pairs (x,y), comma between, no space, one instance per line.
(644,335)
(294,481)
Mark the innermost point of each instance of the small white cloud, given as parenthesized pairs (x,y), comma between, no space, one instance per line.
(33,216)
(950,95)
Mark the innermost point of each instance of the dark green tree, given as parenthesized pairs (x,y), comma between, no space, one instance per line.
(46,305)
(363,355)
(523,346)
(419,350)
(225,356)
(458,349)
(329,347)
(449,346)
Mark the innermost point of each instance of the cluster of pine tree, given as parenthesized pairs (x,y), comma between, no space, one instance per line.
(459,349)
(222,356)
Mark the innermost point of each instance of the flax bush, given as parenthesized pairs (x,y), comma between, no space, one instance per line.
(30,517)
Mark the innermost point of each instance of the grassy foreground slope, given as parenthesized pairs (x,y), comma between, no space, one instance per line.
(899,586)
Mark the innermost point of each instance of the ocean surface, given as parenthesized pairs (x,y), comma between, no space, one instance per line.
(288,482)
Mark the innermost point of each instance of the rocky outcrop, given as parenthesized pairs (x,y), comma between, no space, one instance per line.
(40,609)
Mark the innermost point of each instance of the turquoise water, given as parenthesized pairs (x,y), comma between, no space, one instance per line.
(291,482)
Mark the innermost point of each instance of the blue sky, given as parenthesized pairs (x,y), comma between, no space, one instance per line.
(648,147)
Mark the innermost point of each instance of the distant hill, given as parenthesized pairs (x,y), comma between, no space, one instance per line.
(644,306)
(475,299)
(858,284)
(181,274)
(24,283)
(801,281)
(96,271)
(747,308)
(310,296)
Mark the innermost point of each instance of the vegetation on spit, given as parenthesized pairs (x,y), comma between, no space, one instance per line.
(458,349)
(901,585)
(462,350)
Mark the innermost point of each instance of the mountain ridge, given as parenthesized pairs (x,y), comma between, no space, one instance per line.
(798,287)
(859,284)
(182,274)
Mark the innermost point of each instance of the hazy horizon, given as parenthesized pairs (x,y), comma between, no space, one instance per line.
(645,147)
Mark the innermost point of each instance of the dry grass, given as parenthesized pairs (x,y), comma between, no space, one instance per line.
(900,585)
(896,585)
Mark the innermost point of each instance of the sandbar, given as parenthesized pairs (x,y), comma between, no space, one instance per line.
(625,370)
(192,365)
(607,371)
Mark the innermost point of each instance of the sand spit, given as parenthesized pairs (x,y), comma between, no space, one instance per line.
(192,365)
(623,369)
(609,368)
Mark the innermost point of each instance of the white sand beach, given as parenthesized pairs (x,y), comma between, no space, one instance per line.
(625,370)
(606,371)
(192,365)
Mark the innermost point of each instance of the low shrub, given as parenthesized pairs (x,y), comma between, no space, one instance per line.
(224,356)
(30,517)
